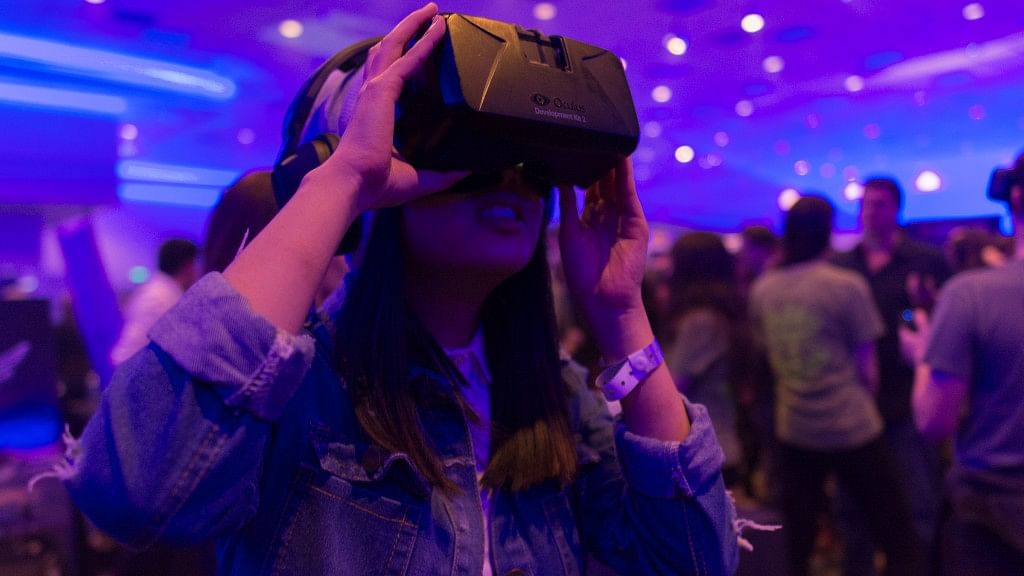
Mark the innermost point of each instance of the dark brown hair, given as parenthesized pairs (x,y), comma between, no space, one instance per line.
(248,204)
(890,185)
(807,231)
(703,276)
(380,341)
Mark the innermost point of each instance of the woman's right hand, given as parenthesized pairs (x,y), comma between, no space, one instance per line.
(365,153)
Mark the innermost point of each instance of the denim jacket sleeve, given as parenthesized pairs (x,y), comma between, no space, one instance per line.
(175,449)
(647,506)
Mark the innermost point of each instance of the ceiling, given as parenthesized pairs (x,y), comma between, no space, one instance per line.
(865,86)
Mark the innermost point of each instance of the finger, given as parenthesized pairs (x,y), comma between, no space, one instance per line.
(568,213)
(921,320)
(625,188)
(913,284)
(420,51)
(591,203)
(393,43)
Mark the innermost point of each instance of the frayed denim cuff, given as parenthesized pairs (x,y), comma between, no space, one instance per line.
(215,336)
(662,469)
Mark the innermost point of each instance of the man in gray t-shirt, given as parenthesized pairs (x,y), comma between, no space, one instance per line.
(819,324)
(974,359)
(817,319)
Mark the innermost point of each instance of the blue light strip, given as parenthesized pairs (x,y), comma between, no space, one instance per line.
(172,174)
(196,196)
(116,67)
(56,98)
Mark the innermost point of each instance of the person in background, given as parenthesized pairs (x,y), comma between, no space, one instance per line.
(970,383)
(709,337)
(242,212)
(972,248)
(758,253)
(890,261)
(178,269)
(819,325)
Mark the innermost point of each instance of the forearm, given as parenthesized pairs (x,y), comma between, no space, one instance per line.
(654,408)
(937,401)
(279,272)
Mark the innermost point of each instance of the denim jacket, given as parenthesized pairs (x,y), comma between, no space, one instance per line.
(225,427)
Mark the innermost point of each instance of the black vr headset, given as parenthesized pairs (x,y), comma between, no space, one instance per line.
(491,96)
(1004,179)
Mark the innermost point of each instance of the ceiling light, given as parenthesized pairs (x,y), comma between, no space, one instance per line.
(974,11)
(744,108)
(854,83)
(721,139)
(105,65)
(773,64)
(752,23)
(684,154)
(928,181)
(544,11)
(802,167)
(853,190)
(787,198)
(661,94)
(676,45)
(129,132)
(652,129)
(290,28)
(39,96)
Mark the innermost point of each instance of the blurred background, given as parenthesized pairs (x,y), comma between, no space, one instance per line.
(123,121)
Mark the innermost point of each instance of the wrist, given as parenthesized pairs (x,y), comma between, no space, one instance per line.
(337,191)
(619,335)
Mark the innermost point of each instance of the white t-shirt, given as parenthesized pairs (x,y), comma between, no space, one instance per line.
(149,302)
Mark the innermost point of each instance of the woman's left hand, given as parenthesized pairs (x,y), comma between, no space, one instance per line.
(604,254)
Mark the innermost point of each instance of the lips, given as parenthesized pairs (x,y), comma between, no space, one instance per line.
(502,210)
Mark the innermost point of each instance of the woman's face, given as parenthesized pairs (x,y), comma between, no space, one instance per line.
(491,231)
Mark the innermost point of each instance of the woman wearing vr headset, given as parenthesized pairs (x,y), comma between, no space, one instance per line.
(430,427)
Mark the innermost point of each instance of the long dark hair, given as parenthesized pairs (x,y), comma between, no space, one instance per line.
(704,276)
(380,341)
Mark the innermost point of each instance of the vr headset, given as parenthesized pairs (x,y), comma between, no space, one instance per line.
(495,95)
(491,96)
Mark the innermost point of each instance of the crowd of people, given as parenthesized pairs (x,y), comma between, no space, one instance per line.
(806,358)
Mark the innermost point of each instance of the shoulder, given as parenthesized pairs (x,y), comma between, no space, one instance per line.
(847,259)
(765,282)
(843,276)
(972,282)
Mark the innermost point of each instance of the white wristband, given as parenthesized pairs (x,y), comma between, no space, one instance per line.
(619,379)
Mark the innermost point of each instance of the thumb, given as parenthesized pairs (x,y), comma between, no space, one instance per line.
(921,320)
(568,213)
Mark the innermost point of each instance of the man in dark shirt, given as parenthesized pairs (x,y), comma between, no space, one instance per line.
(891,262)
(970,383)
